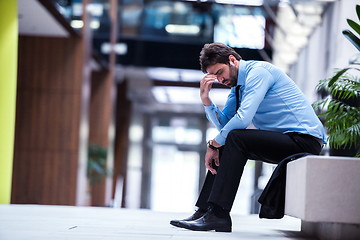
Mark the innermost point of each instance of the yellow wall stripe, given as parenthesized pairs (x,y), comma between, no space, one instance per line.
(8,78)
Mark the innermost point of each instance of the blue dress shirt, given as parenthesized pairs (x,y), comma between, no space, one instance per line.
(269,99)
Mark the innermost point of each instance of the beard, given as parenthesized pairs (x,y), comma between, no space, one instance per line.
(233,77)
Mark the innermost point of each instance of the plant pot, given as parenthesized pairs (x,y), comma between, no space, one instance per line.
(344,151)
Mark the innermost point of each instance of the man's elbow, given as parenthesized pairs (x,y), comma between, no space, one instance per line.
(243,122)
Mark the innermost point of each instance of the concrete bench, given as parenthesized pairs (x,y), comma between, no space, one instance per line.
(324,192)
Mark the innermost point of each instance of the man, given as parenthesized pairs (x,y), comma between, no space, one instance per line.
(260,94)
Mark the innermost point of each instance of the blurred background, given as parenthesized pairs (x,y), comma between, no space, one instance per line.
(107,104)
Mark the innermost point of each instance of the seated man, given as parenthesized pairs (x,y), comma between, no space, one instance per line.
(260,94)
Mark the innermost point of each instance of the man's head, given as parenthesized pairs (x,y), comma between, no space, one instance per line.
(213,53)
(221,61)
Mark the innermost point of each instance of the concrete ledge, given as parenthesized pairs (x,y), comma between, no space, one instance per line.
(331,231)
(324,192)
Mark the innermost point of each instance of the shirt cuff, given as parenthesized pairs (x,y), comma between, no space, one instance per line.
(209,108)
(220,139)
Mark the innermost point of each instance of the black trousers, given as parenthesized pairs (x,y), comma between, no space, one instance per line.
(244,144)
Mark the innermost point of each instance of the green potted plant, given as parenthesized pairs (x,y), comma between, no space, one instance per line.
(340,104)
(96,167)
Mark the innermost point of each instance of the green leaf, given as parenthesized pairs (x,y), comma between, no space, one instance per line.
(320,105)
(358,11)
(352,38)
(354,25)
(336,77)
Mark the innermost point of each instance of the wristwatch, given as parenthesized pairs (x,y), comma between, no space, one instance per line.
(211,146)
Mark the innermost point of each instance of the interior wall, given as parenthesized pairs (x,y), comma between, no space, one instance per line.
(49,106)
(327,49)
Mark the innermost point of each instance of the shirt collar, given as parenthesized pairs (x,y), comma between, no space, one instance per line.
(241,73)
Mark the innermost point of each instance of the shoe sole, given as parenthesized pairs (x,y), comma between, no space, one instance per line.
(225,229)
(180,225)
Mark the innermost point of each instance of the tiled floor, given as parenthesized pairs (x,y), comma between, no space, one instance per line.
(64,222)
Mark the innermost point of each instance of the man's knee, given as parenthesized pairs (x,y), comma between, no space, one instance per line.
(236,141)
(241,135)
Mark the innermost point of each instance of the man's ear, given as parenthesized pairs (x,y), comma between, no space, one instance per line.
(232,60)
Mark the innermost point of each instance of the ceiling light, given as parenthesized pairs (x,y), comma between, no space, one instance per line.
(182,29)
(241,2)
(163,74)
(95,24)
(186,95)
(96,9)
(77,23)
(172,74)
(118,48)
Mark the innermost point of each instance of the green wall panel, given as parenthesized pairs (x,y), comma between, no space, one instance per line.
(8,78)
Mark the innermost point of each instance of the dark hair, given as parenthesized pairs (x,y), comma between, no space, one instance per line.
(213,53)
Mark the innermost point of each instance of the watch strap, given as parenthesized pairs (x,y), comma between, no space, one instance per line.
(209,143)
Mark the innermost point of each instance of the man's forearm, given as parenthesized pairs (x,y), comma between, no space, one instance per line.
(206,101)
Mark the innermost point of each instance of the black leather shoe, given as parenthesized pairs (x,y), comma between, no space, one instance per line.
(209,221)
(198,214)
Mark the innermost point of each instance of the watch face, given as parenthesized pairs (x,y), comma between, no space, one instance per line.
(211,146)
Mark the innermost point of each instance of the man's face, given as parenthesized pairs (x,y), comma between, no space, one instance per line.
(225,74)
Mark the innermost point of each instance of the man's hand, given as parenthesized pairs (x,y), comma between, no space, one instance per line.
(205,86)
(210,156)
